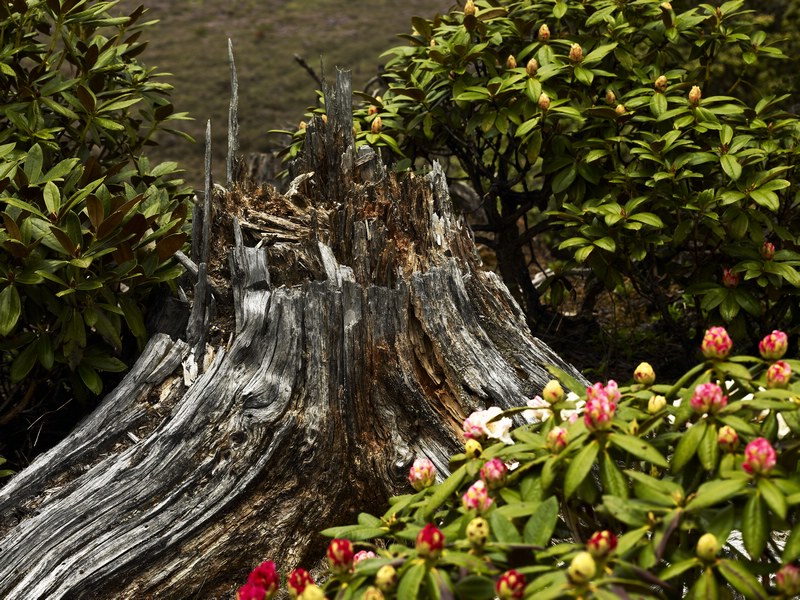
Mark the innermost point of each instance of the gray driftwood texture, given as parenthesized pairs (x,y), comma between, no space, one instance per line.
(365,331)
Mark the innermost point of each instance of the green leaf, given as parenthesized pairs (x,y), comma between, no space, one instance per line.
(90,378)
(614,482)
(706,587)
(639,448)
(679,567)
(792,549)
(567,380)
(579,467)
(766,199)
(10,309)
(503,529)
(773,497)
(475,587)
(708,449)
(741,579)
(714,492)
(658,104)
(33,164)
(443,491)
(23,363)
(606,243)
(355,532)
(755,526)
(411,580)
(52,198)
(731,166)
(542,523)
(687,446)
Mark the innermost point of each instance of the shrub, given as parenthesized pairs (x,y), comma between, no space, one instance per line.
(645,491)
(88,225)
(594,127)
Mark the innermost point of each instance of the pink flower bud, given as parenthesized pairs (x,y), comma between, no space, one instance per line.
(575,53)
(768,251)
(759,457)
(298,580)
(778,375)
(477,497)
(422,474)
(787,580)
(601,405)
(430,541)
(478,531)
(340,556)
(553,393)
(266,577)
(532,67)
(774,346)
(661,83)
(510,586)
(386,578)
(362,555)
(556,440)
(251,591)
(730,279)
(644,374)
(708,398)
(544,101)
(494,473)
(694,95)
(716,343)
(544,33)
(727,438)
(602,543)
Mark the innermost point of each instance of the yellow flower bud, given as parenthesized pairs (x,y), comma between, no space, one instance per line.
(302,125)
(644,374)
(661,83)
(377,125)
(656,404)
(694,95)
(707,547)
(386,578)
(532,67)
(511,62)
(478,531)
(611,98)
(473,448)
(544,33)
(620,110)
(469,9)
(576,53)
(582,568)
(544,101)
(553,393)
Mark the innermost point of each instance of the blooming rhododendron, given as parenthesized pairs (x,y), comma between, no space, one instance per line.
(484,423)
(340,555)
(297,582)
(759,456)
(716,343)
(510,586)
(774,345)
(708,398)
(494,473)
(430,541)
(477,497)
(422,474)
(778,375)
(540,410)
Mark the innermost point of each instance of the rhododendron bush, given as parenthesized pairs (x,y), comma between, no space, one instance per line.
(650,490)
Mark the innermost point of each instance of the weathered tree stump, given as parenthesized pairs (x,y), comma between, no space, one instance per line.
(365,331)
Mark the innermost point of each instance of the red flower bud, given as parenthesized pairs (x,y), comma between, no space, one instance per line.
(298,580)
(340,556)
(601,544)
(266,577)
(730,279)
(430,541)
(510,586)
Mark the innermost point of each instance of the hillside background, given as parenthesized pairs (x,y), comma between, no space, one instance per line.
(190,41)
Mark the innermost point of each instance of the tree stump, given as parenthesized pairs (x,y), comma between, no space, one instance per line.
(365,331)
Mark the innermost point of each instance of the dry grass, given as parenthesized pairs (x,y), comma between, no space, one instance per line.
(191,43)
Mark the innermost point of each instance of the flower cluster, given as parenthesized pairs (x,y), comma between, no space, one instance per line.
(601,405)
(484,424)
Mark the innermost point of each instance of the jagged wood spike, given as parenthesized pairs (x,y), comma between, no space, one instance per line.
(233,120)
(209,191)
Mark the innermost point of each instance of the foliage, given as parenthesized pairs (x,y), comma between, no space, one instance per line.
(593,127)
(646,491)
(88,225)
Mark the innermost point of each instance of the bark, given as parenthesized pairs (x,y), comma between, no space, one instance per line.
(363,331)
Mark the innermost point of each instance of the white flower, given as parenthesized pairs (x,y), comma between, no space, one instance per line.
(570,415)
(783,428)
(498,429)
(541,410)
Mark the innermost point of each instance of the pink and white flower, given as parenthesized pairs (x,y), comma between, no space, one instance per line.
(759,457)
(716,343)
(477,498)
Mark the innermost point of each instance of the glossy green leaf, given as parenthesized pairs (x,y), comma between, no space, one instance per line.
(755,526)
(10,309)
(579,467)
(540,526)
(639,448)
(687,446)
(738,575)
(716,491)
(411,580)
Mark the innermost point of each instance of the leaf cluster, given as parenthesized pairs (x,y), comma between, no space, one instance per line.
(88,225)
